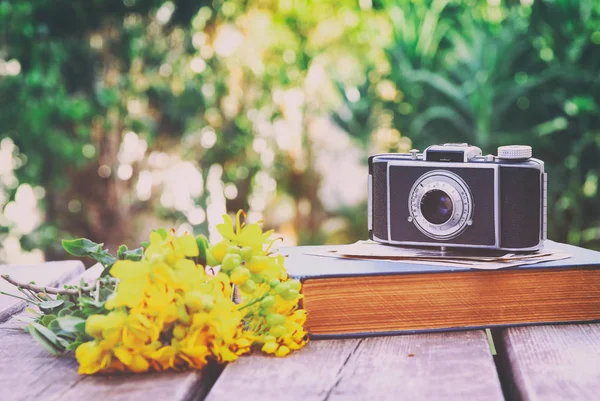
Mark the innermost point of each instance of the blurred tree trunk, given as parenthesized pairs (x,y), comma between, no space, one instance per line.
(101,209)
(308,224)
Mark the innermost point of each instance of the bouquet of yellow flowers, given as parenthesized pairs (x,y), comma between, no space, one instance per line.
(174,303)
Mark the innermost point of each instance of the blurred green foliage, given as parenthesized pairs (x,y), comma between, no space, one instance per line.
(207,81)
(491,76)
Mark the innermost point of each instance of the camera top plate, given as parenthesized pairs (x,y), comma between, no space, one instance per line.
(451,152)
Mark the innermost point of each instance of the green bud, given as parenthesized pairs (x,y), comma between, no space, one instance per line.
(239,275)
(178,332)
(182,314)
(274,283)
(249,286)
(290,295)
(275,319)
(278,331)
(230,262)
(281,288)
(246,253)
(258,278)
(295,284)
(267,302)
(210,259)
(268,339)
(233,249)
(258,263)
(205,256)
(193,300)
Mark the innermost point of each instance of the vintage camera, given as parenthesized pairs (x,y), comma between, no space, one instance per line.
(452,196)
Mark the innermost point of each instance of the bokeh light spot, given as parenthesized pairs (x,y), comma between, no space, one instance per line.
(104,171)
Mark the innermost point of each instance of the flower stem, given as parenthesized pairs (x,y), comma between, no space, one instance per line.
(18,297)
(49,290)
(255,301)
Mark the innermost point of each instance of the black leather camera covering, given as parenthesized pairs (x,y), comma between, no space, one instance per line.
(481,185)
(379,197)
(520,207)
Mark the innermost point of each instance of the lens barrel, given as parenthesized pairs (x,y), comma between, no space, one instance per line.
(437,206)
(440,204)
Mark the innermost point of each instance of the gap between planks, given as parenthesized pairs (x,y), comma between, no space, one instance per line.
(551,362)
(436,366)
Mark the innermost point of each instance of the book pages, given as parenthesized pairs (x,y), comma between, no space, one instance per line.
(471,258)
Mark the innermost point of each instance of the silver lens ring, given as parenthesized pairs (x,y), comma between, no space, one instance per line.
(458,204)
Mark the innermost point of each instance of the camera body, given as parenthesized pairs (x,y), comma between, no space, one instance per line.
(452,196)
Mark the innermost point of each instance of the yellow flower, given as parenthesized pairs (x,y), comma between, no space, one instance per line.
(139,330)
(270,347)
(186,244)
(188,275)
(245,234)
(132,360)
(163,273)
(219,250)
(194,348)
(107,328)
(94,325)
(165,357)
(282,351)
(92,358)
(156,249)
(299,316)
(171,247)
(168,313)
(159,302)
(134,278)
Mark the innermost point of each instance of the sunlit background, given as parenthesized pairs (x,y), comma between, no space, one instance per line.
(117,117)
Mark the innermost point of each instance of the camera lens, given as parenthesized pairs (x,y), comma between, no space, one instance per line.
(436,206)
(440,205)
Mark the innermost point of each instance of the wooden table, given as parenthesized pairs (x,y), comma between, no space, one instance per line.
(544,363)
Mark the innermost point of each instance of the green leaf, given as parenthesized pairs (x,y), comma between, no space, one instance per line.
(54,326)
(121,251)
(162,232)
(52,304)
(83,314)
(84,247)
(42,340)
(81,247)
(71,324)
(33,311)
(64,312)
(73,346)
(105,258)
(58,342)
(91,309)
(442,85)
(134,254)
(46,320)
(48,306)
(203,245)
(67,305)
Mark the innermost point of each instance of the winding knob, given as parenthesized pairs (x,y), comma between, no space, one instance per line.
(514,152)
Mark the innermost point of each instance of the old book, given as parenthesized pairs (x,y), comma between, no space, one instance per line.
(348,297)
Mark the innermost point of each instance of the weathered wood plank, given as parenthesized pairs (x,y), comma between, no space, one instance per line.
(46,274)
(552,363)
(439,366)
(28,372)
